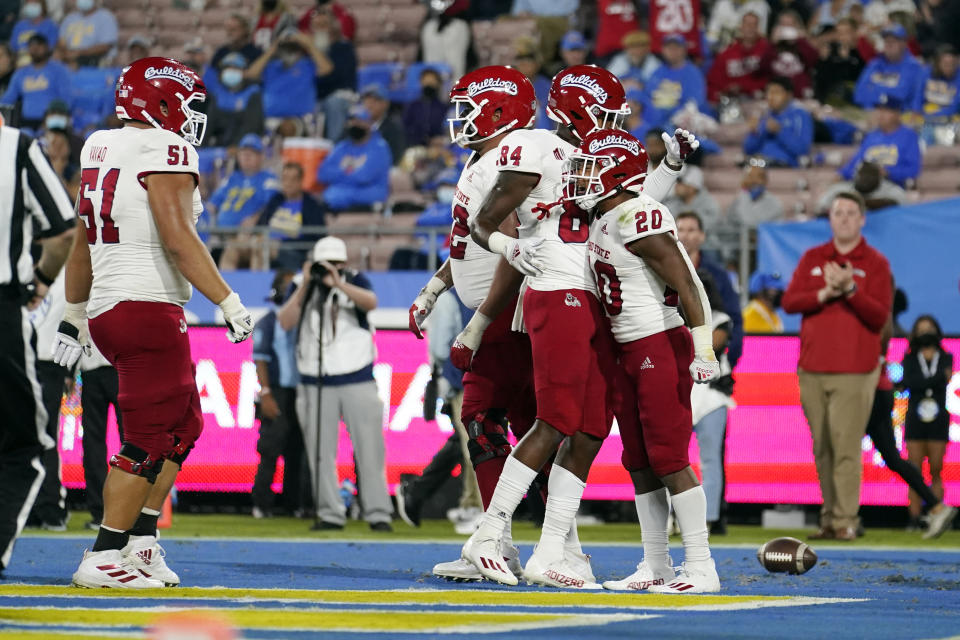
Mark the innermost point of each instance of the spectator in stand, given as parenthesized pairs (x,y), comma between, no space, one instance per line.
(375,100)
(754,204)
(792,57)
(38,84)
(616,19)
(573,49)
(938,98)
(800,7)
(196,57)
(348,25)
(87,34)
(674,84)
(760,315)
(843,56)
(553,20)
(894,73)
(690,233)
(527,61)
(783,134)
(937,24)
(635,64)
(426,116)
(273,21)
(868,180)
(656,149)
(287,212)
(237,28)
(878,13)
(33,19)
(445,36)
(357,171)
(334,89)
(690,194)
(736,71)
(830,12)
(288,69)
(893,146)
(235,104)
(844,290)
(635,122)
(727,16)
(57,116)
(246,191)
(56,144)
(7,66)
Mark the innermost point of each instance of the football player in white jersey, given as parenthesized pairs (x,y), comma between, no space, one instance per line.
(128,277)
(642,272)
(572,347)
(490,103)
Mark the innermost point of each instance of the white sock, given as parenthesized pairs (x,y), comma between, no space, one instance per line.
(150,512)
(690,508)
(564,491)
(573,538)
(506,540)
(515,479)
(652,511)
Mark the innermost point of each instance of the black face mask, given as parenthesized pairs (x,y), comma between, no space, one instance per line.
(926,340)
(777,299)
(430,92)
(268,5)
(356,133)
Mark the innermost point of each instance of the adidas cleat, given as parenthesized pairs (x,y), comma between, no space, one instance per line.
(645,577)
(699,577)
(146,555)
(558,573)
(109,569)
(484,554)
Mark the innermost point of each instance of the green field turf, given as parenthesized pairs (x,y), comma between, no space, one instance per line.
(242,526)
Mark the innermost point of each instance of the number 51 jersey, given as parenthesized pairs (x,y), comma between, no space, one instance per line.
(128,258)
(638,302)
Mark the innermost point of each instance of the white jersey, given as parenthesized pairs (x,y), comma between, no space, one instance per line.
(637,301)
(471,265)
(128,258)
(565,229)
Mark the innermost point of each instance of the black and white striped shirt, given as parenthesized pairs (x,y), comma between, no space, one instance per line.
(30,191)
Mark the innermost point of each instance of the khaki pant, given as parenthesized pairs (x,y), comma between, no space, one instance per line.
(837,407)
(470,496)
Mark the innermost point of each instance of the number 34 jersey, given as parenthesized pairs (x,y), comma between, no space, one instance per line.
(128,258)
(636,299)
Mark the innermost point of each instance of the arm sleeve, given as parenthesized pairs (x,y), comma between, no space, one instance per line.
(12,94)
(847,170)
(166,152)
(863,91)
(44,194)
(908,164)
(916,103)
(873,301)
(660,181)
(329,170)
(361,281)
(376,169)
(798,136)
(801,293)
(271,207)
(717,79)
(107,28)
(731,305)
(753,142)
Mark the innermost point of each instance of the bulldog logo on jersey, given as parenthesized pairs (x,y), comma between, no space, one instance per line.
(492,84)
(171,73)
(588,84)
(614,140)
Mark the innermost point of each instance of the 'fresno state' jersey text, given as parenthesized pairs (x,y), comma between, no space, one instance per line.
(636,299)
(128,258)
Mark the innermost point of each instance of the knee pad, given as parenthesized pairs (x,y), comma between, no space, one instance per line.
(136,461)
(488,436)
(180,451)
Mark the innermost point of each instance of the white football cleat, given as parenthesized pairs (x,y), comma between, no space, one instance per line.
(146,555)
(461,570)
(699,577)
(109,569)
(579,562)
(645,577)
(558,573)
(484,554)
(940,521)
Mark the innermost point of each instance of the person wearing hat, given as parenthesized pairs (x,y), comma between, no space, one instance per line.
(573,49)
(760,315)
(335,356)
(33,19)
(893,73)
(426,116)
(891,145)
(357,171)
(374,99)
(635,64)
(38,84)
(274,355)
(235,104)
(690,194)
(784,133)
(87,34)
(938,99)
(674,84)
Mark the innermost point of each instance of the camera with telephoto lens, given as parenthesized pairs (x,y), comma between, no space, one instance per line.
(317,270)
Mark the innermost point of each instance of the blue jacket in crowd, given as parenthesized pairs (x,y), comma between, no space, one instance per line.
(26,28)
(937,98)
(37,88)
(895,79)
(289,91)
(356,174)
(242,196)
(731,305)
(897,152)
(669,89)
(789,143)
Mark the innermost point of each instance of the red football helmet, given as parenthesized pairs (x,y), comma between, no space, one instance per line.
(585,98)
(149,83)
(606,163)
(476,98)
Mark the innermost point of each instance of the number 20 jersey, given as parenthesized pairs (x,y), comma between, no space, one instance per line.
(634,297)
(128,258)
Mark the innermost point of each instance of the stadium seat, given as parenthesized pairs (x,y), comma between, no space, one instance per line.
(181,20)
(938,178)
(389,75)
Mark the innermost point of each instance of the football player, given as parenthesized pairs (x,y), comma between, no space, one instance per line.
(128,277)
(490,103)
(642,272)
(572,346)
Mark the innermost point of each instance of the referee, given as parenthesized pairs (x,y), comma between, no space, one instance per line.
(30,192)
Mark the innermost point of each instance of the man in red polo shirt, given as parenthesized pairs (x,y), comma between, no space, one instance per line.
(843,289)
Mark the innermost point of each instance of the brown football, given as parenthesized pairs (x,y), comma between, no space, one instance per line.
(786,555)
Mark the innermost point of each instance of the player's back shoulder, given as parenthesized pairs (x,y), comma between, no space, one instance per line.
(533,139)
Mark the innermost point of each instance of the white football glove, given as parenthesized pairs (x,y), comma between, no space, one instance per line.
(680,145)
(423,305)
(73,338)
(238,319)
(467,343)
(521,253)
(705,366)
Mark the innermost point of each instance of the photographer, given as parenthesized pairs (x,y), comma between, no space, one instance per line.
(330,307)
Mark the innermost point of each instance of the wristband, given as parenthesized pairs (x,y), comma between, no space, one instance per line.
(435,287)
(42,277)
(75,313)
(703,341)
(473,332)
(264,391)
(498,242)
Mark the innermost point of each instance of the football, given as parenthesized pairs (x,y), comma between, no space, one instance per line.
(786,555)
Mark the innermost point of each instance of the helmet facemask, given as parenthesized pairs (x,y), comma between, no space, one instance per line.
(604,118)
(466,135)
(195,125)
(582,179)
